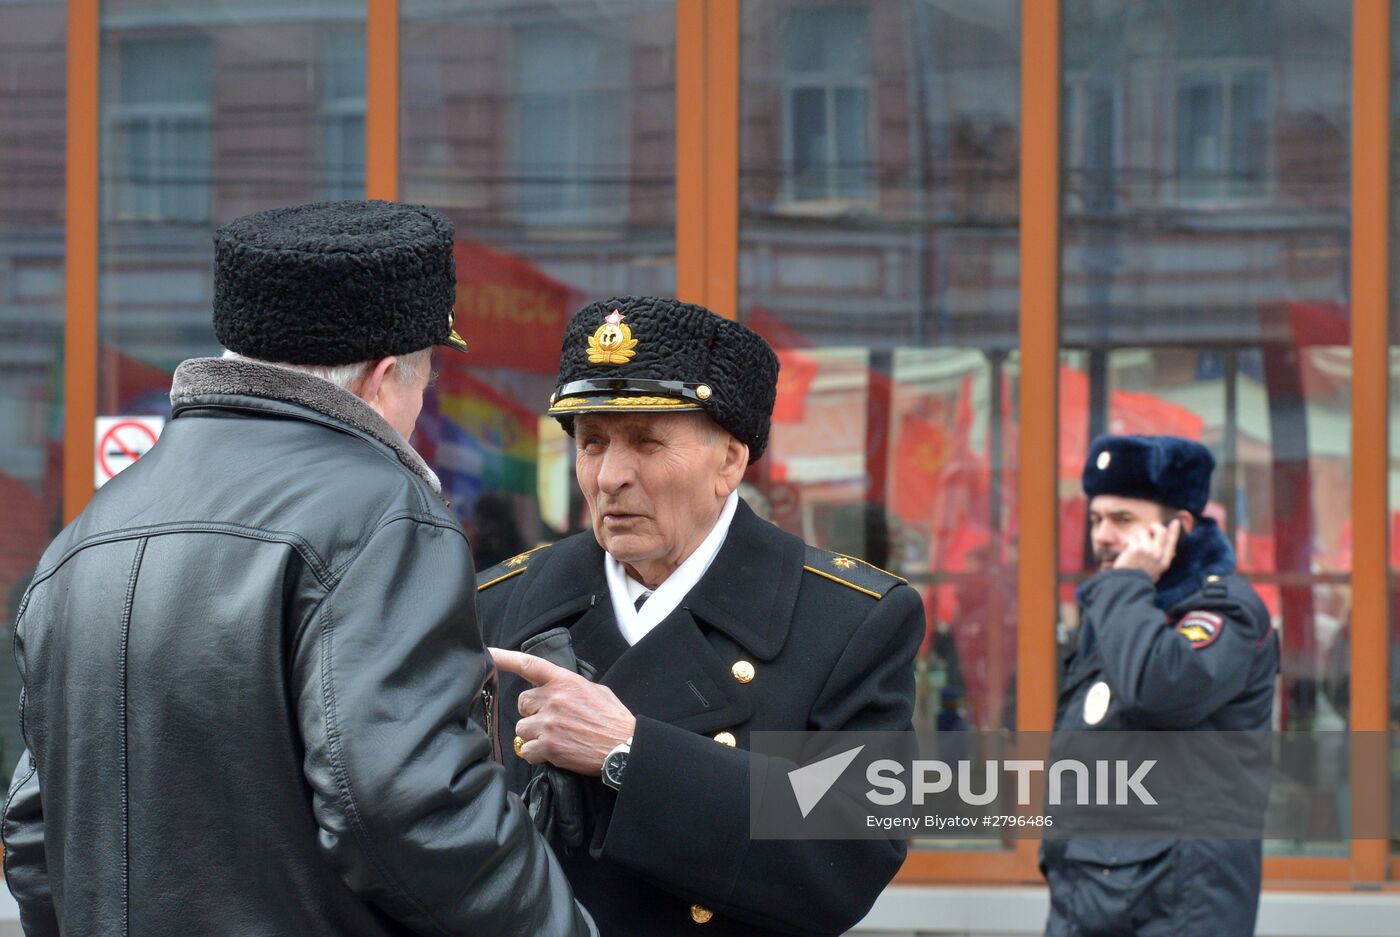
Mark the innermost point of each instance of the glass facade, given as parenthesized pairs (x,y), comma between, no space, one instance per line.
(209,111)
(1205,241)
(547,134)
(878,253)
(33,113)
(1204,294)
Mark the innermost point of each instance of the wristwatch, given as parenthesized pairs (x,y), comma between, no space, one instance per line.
(614,764)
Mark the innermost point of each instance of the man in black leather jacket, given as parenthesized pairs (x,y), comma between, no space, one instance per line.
(250,665)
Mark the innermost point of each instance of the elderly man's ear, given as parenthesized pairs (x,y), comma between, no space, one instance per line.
(731,470)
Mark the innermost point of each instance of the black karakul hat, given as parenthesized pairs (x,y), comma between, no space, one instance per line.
(335,282)
(1167,469)
(651,355)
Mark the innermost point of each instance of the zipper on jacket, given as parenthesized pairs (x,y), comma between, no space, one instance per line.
(488,712)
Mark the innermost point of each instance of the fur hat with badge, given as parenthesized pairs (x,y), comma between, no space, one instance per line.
(651,355)
(335,282)
(1169,470)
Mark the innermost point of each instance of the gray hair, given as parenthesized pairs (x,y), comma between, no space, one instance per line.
(407,368)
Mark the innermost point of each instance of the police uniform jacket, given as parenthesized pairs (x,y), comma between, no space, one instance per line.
(1195,651)
(248,668)
(831,642)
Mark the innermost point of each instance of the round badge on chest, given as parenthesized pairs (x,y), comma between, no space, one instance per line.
(1096,703)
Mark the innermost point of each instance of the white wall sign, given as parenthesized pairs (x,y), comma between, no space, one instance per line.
(121,440)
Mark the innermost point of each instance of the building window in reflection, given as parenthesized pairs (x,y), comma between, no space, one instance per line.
(160,130)
(572,113)
(826,103)
(343,113)
(1223,134)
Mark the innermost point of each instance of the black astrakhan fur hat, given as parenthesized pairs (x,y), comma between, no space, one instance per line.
(335,282)
(644,354)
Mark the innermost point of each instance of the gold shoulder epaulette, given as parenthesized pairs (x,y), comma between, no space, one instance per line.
(505,569)
(850,572)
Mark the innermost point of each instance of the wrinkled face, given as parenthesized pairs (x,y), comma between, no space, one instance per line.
(1113,519)
(654,482)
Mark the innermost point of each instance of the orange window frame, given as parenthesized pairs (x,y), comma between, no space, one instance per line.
(382,99)
(80,253)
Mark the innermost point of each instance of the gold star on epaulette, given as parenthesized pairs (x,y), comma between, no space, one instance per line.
(506,569)
(851,572)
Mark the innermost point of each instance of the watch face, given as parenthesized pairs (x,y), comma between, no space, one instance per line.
(612,769)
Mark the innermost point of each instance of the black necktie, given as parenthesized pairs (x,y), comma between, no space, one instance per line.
(641,600)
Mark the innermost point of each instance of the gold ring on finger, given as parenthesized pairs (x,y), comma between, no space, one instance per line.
(519,744)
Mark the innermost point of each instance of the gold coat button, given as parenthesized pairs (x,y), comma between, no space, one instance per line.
(700,915)
(703,392)
(743,671)
(726,738)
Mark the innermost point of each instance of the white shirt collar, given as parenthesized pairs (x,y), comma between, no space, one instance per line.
(624,590)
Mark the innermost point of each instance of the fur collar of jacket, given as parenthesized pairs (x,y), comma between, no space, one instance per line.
(1203,552)
(243,377)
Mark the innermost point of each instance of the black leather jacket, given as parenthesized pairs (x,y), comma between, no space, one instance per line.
(248,672)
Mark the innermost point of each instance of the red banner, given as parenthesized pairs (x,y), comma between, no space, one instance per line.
(510,312)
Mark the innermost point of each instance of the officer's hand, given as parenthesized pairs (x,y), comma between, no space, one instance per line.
(1150,549)
(569,721)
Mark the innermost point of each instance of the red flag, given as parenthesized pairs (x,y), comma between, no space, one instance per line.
(919,455)
(795,375)
(1132,413)
(510,309)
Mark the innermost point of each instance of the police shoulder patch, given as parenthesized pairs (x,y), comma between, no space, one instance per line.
(506,569)
(850,572)
(1201,628)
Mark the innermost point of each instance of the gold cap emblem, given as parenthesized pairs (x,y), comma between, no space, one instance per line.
(612,343)
(1104,458)
(454,338)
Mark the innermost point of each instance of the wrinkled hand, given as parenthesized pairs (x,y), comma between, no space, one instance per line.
(1150,549)
(568,721)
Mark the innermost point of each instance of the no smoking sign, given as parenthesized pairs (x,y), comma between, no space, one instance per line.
(121,440)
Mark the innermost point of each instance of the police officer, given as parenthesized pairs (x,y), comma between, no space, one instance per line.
(1170,638)
(700,623)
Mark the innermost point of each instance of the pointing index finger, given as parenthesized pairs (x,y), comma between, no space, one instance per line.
(536,670)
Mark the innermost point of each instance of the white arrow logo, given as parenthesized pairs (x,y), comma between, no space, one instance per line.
(811,783)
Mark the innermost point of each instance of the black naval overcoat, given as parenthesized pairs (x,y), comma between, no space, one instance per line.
(1195,651)
(832,643)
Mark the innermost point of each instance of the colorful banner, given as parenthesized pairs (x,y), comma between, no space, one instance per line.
(476,437)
